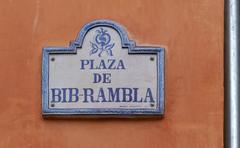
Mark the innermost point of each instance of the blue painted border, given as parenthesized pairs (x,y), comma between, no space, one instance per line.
(132,49)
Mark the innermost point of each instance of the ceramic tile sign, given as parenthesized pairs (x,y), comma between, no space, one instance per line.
(103,73)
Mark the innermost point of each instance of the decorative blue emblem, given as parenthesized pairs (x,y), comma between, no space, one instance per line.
(102,43)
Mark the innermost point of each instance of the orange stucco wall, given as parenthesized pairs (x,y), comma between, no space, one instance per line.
(191,31)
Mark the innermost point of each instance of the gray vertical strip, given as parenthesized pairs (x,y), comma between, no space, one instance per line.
(232,71)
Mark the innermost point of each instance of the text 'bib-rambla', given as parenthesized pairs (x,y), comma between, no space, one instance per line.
(103,73)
